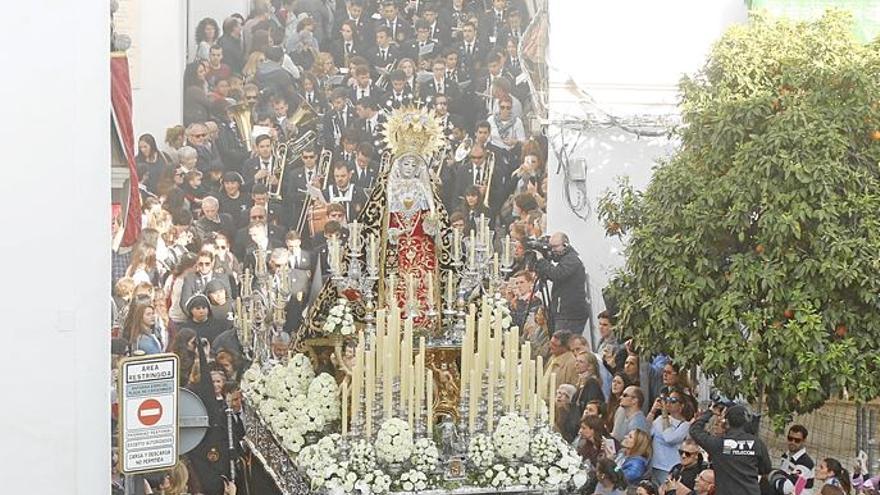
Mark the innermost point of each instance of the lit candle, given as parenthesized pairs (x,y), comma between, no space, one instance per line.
(506,259)
(429,401)
(371,390)
(344,407)
(456,244)
(551,398)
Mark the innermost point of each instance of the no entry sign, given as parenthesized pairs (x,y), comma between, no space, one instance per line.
(148,400)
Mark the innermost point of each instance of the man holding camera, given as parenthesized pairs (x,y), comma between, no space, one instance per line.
(568,297)
(739,457)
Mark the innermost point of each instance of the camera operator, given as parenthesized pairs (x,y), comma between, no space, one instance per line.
(739,457)
(568,297)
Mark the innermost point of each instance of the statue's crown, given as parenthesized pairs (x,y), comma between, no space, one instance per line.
(413,130)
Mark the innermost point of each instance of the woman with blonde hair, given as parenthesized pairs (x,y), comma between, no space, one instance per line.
(176,481)
(635,456)
(249,71)
(324,68)
(174,139)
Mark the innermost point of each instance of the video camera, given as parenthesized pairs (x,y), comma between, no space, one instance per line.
(538,244)
(753,421)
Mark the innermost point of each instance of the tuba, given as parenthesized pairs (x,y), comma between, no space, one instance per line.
(285,153)
(241,115)
(304,115)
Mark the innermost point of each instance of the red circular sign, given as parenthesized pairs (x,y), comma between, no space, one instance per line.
(150,412)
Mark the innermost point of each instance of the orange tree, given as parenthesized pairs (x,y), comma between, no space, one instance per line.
(754,252)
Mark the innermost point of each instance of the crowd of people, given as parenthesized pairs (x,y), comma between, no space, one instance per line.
(321,78)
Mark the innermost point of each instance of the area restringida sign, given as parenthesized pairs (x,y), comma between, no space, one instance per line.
(148,426)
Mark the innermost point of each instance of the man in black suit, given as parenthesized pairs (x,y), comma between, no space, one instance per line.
(477,173)
(340,116)
(364,87)
(296,189)
(347,46)
(370,122)
(440,84)
(347,151)
(259,238)
(400,31)
(365,168)
(364,34)
(437,28)
(259,168)
(493,22)
(398,96)
(344,192)
(455,16)
(195,282)
(385,55)
(422,45)
(257,213)
(443,117)
(471,51)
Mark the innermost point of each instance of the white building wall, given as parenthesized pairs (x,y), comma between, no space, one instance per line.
(628,56)
(55,213)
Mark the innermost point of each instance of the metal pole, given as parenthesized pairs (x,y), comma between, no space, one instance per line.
(873,445)
(231,443)
(861,444)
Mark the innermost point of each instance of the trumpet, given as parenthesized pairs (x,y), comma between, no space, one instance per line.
(285,152)
(487,177)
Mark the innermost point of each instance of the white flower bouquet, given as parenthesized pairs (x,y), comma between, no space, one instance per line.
(375,482)
(501,311)
(530,475)
(299,374)
(340,320)
(413,481)
(544,449)
(498,476)
(362,457)
(252,383)
(316,463)
(394,441)
(324,393)
(338,479)
(311,418)
(481,451)
(511,437)
(425,456)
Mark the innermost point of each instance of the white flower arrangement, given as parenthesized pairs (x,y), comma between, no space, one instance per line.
(425,456)
(481,451)
(375,482)
(338,479)
(324,393)
(500,310)
(362,457)
(530,475)
(316,463)
(413,481)
(544,449)
(311,418)
(394,441)
(252,382)
(511,437)
(340,320)
(499,476)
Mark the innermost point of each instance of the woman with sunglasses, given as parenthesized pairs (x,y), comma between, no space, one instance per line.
(670,428)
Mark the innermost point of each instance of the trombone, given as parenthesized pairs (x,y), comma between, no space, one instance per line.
(285,152)
(315,214)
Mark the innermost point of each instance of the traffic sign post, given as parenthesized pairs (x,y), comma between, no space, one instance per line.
(148,425)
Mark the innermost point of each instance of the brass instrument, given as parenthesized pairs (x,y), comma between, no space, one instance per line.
(241,116)
(284,153)
(463,149)
(315,214)
(304,115)
(487,177)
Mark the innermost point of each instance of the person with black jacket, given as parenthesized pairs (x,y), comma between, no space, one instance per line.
(739,458)
(210,458)
(568,296)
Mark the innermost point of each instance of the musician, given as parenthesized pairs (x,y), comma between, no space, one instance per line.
(340,116)
(296,189)
(347,151)
(482,138)
(385,55)
(512,70)
(471,51)
(229,144)
(280,113)
(300,258)
(423,45)
(344,192)
(364,87)
(399,95)
(348,46)
(513,29)
(493,22)
(443,117)
(365,171)
(452,71)
(232,201)
(437,28)
(507,131)
(363,30)
(259,238)
(260,168)
(399,30)
(484,85)
(370,122)
(312,93)
(439,84)
(477,173)
(455,16)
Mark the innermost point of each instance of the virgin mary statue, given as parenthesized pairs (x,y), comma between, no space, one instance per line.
(404,211)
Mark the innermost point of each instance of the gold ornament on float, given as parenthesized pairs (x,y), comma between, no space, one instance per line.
(413,130)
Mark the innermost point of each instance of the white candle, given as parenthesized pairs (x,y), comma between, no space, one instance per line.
(551,398)
(353,237)
(429,290)
(506,259)
(387,372)
(472,409)
(539,377)
(371,390)
(410,289)
(480,224)
(344,407)
(392,290)
(472,253)
(373,259)
(456,244)
(410,395)
(420,386)
(495,265)
(429,401)
(490,399)
(450,295)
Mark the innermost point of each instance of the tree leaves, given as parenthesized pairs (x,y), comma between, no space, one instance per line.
(771,205)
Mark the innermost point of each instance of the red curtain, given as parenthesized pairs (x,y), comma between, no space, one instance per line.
(120,98)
